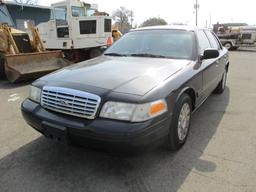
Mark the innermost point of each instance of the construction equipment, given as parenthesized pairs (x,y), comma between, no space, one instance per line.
(233,37)
(22,59)
(76,28)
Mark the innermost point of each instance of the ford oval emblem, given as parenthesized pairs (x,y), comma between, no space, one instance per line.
(64,102)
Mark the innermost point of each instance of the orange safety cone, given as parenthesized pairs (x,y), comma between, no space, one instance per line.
(109,42)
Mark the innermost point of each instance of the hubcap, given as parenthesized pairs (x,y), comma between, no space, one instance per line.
(228,46)
(183,122)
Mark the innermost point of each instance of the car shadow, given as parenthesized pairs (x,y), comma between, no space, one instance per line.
(43,165)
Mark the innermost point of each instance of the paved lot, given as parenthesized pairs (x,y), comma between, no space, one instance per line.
(220,154)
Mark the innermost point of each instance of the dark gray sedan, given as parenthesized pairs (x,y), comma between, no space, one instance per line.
(140,93)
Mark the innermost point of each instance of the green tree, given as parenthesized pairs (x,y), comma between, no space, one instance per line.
(153,22)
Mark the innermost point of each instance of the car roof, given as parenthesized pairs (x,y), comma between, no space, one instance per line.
(169,27)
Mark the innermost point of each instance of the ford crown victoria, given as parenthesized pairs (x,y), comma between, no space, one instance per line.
(140,92)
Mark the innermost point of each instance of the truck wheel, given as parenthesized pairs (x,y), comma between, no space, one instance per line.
(222,84)
(2,71)
(235,48)
(95,53)
(228,45)
(180,124)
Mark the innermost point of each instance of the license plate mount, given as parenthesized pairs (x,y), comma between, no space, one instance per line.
(55,132)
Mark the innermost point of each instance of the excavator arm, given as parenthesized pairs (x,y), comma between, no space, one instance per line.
(36,43)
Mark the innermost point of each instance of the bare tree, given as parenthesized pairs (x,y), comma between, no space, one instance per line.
(30,2)
(153,22)
(121,17)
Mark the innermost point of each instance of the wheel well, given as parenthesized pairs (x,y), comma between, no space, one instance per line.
(192,95)
(227,66)
(228,42)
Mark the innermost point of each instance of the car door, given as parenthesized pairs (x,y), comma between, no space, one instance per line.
(221,61)
(208,67)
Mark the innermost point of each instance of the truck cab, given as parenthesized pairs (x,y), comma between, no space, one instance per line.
(75,25)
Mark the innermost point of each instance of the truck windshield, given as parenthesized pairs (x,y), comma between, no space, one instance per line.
(155,43)
(78,11)
(60,14)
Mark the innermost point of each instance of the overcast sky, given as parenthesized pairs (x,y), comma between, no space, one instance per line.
(182,10)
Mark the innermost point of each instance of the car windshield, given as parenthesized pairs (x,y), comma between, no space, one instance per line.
(155,43)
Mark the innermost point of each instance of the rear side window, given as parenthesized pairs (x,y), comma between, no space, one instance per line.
(213,40)
(107,25)
(203,41)
(87,27)
(217,39)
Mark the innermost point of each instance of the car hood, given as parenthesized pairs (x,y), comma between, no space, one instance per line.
(130,75)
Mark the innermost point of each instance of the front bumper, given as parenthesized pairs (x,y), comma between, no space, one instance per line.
(98,133)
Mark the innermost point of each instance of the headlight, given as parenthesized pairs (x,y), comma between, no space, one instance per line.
(35,94)
(133,112)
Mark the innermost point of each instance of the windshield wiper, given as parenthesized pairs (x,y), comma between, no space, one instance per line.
(115,54)
(147,55)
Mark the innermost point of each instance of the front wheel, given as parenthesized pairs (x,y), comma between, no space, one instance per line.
(228,45)
(180,125)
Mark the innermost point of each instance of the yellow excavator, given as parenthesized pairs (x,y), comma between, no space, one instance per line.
(22,58)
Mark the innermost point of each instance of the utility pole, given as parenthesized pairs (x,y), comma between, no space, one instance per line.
(210,21)
(132,17)
(196,6)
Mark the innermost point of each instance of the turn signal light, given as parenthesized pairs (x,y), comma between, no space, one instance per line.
(158,108)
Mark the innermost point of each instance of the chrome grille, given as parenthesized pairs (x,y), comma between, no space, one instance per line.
(70,101)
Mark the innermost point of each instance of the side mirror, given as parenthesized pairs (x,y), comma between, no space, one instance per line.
(210,54)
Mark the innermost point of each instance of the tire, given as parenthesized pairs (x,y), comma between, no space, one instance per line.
(95,53)
(222,84)
(2,71)
(176,138)
(235,48)
(228,45)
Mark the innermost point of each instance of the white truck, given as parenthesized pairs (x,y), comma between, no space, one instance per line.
(234,37)
(76,28)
